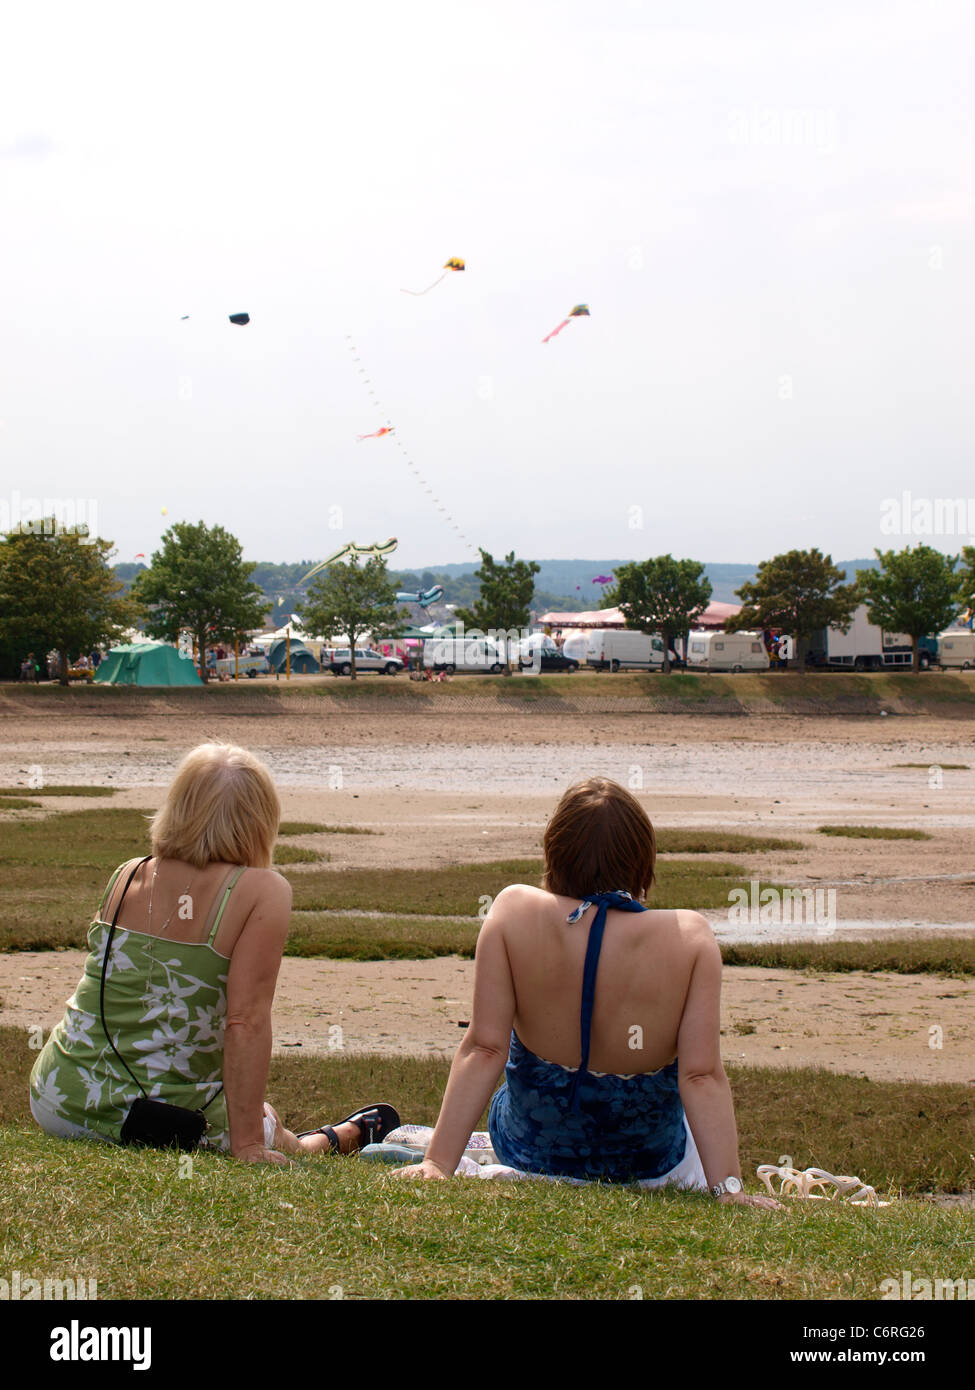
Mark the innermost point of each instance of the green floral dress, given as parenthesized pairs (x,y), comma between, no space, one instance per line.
(166,1006)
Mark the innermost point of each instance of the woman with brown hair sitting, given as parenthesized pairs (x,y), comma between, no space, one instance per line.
(614,1075)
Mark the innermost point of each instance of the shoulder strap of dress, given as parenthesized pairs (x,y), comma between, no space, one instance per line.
(603,902)
(223,897)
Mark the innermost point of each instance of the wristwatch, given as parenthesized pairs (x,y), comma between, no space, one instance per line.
(731,1185)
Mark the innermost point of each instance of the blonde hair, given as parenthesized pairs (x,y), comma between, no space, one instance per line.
(222,807)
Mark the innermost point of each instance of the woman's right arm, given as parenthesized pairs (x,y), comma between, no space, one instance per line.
(254,965)
(704,1090)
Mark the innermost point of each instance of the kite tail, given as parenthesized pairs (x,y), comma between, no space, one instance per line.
(564,324)
(429,287)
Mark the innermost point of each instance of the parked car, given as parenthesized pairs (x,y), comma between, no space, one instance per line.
(367,659)
(540,653)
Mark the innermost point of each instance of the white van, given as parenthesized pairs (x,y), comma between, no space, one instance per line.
(726,651)
(452,654)
(956,647)
(614,649)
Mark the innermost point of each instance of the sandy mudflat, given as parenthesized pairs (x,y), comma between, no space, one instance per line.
(878,1026)
(468,786)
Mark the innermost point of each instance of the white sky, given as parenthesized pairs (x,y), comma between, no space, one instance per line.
(740,193)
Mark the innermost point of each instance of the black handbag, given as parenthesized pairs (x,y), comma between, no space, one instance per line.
(153,1124)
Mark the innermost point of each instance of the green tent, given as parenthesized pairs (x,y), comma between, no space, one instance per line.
(147,663)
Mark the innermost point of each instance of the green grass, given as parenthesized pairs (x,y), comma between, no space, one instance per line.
(385,938)
(293,854)
(18,803)
(874,832)
(719,842)
(309,827)
(935,955)
(340,1228)
(461,890)
(946,767)
(58,791)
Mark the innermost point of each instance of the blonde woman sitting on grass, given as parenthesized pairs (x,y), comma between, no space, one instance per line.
(181,1012)
(616,1075)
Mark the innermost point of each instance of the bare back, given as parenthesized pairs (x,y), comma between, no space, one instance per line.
(644,972)
(189,900)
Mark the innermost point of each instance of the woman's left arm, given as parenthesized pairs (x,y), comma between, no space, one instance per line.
(481,1056)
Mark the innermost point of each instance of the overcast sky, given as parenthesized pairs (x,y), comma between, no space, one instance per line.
(768,207)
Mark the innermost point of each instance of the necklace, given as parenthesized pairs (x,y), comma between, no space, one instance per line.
(179,900)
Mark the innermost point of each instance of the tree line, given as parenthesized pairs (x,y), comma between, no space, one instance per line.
(58,592)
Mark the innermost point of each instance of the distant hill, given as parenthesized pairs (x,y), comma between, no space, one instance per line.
(559,584)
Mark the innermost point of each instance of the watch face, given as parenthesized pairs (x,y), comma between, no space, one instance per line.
(732,1184)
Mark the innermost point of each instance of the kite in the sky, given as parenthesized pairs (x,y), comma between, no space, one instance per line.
(603,579)
(380,548)
(240,319)
(378,434)
(140,555)
(455,263)
(580,311)
(424,598)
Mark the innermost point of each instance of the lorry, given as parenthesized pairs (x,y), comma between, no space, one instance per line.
(956,647)
(726,651)
(864,647)
(615,649)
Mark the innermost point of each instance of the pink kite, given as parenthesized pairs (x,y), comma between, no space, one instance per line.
(378,434)
(580,311)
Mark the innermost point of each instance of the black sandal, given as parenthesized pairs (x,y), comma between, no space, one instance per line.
(374,1121)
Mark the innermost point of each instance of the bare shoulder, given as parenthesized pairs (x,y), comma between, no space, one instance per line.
(518,900)
(694,927)
(268,886)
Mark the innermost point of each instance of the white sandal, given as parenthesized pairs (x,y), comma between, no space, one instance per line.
(794,1183)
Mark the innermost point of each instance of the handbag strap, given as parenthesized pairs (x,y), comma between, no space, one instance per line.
(101,991)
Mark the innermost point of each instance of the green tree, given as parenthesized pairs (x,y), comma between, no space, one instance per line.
(965,592)
(505,597)
(797,593)
(199,581)
(914,591)
(58,591)
(661,595)
(354,599)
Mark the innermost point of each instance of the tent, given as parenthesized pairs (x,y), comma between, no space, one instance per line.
(146,663)
(303,662)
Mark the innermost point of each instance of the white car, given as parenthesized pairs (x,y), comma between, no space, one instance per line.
(339,662)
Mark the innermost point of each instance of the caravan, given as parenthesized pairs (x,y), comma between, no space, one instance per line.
(726,651)
(956,647)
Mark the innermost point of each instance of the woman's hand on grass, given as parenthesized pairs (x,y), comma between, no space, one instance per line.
(744,1199)
(257,1153)
(426,1169)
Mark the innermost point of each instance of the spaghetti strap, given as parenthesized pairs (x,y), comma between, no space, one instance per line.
(111,886)
(602,901)
(224,898)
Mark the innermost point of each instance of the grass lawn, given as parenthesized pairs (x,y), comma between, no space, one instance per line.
(149,1225)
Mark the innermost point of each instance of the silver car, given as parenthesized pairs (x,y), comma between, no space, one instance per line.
(366,659)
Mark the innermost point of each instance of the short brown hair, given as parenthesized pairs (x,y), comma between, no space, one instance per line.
(599,839)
